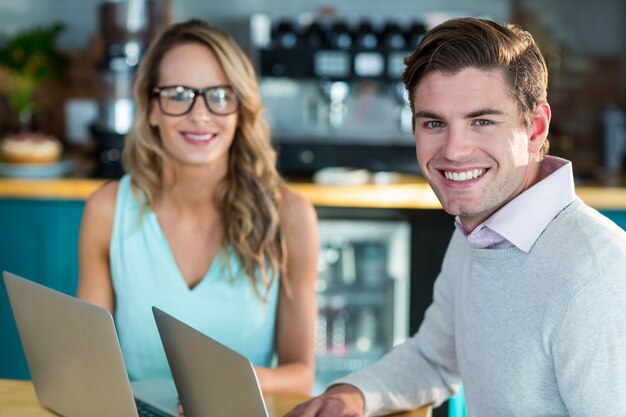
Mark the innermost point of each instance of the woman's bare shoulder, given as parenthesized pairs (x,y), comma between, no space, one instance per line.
(102,201)
(296,208)
(293,203)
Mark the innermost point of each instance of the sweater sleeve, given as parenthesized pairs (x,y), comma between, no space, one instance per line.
(423,370)
(589,356)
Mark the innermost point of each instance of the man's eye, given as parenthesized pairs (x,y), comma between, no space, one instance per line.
(433,124)
(482,122)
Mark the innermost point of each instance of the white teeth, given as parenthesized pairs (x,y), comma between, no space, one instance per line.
(198,137)
(464,176)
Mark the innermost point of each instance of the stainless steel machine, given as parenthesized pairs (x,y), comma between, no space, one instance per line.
(126,28)
(333,91)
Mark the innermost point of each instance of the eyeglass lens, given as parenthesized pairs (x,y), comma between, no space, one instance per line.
(179,100)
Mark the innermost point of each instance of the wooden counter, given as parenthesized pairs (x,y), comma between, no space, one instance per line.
(415,194)
(17,399)
(407,194)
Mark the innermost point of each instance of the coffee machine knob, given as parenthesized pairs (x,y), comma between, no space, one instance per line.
(393,38)
(285,35)
(339,36)
(366,36)
(415,34)
(307,156)
(313,36)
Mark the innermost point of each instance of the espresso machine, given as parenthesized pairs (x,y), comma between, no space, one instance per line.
(333,93)
(126,29)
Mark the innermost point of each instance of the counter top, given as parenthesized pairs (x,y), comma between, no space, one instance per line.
(413,193)
(17,399)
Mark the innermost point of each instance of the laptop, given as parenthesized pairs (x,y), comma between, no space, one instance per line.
(75,360)
(212,379)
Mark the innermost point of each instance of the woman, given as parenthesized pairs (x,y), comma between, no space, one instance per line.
(202,225)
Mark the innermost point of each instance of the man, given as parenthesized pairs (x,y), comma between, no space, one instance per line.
(529,310)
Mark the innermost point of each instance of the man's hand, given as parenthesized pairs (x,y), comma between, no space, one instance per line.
(338,401)
(180,407)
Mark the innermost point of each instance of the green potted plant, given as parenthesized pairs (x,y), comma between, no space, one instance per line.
(28,59)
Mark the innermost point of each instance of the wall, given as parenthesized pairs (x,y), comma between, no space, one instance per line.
(589,28)
(586,27)
(81,16)
(583,27)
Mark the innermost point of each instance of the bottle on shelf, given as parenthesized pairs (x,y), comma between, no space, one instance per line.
(338,339)
(367,331)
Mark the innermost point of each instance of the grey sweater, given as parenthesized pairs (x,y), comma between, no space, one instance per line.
(529,334)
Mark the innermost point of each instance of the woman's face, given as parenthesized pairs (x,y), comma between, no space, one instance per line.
(199,137)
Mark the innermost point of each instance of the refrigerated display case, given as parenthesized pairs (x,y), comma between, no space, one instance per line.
(363,294)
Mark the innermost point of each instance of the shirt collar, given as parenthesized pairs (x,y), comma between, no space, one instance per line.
(522,220)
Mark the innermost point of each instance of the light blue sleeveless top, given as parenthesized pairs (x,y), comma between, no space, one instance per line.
(145,274)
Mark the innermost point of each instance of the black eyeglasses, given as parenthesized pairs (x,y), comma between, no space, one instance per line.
(177,100)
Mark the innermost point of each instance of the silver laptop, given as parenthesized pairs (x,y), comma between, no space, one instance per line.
(74,357)
(212,379)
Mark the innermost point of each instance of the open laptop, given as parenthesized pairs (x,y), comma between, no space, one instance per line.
(212,379)
(75,360)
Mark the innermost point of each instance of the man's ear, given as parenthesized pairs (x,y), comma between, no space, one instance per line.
(539,127)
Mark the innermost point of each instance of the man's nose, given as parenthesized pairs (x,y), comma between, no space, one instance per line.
(457,144)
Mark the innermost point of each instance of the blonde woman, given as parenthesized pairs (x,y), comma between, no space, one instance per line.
(202,225)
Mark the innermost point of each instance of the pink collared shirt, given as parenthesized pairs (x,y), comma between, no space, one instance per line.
(520,222)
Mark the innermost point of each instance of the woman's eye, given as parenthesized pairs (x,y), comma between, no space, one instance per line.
(177,94)
(220,96)
(182,96)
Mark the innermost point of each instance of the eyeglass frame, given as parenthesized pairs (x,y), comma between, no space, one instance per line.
(156,92)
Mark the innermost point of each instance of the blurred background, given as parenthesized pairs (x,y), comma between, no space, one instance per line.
(325,70)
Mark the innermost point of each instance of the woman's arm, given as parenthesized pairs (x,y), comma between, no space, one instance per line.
(94,281)
(297,311)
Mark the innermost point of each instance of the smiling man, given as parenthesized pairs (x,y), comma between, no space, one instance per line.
(529,310)
(474,149)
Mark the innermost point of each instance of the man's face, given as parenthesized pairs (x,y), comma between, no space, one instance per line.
(470,143)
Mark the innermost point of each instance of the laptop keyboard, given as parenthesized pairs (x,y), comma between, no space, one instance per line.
(146,410)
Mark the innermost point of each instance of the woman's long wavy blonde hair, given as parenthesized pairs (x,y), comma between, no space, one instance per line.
(249,198)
